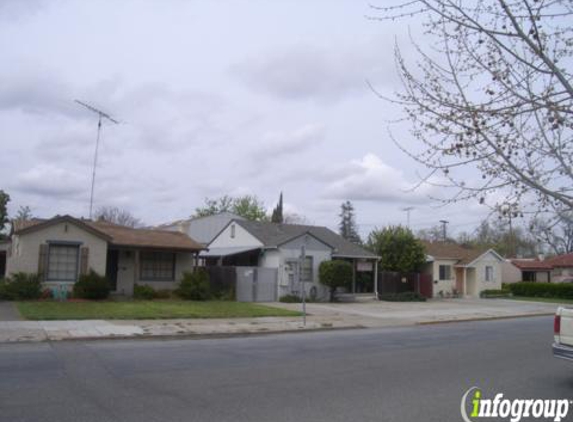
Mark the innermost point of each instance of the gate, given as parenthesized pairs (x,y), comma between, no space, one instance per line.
(255,284)
(393,282)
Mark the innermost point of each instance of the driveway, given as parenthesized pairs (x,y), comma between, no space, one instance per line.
(373,313)
(8,312)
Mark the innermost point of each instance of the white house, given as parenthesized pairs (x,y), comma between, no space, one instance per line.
(278,246)
(460,271)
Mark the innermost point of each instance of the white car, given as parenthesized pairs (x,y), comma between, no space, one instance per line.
(563,333)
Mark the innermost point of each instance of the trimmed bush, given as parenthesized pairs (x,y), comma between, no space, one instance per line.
(194,285)
(143,292)
(402,297)
(558,290)
(92,286)
(493,293)
(21,286)
(334,274)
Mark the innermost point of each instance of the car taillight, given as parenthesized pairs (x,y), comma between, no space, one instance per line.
(557,324)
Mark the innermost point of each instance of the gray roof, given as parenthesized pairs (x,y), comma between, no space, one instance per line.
(273,235)
(202,229)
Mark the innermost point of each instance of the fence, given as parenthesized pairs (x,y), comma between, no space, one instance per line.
(245,284)
(393,282)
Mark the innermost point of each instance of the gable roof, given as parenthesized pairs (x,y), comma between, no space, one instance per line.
(532,264)
(119,235)
(565,260)
(272,235)
(453,251)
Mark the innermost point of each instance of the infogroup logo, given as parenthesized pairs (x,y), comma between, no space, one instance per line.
(512,409)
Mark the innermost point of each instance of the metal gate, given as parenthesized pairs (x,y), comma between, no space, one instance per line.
(255,284)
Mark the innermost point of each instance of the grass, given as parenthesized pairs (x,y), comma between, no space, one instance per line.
(541,299)
(155,309)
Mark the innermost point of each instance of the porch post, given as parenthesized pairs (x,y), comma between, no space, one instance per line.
(376,278)
(354,276)
(465,281)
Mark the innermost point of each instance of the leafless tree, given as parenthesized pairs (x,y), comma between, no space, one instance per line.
(557,233)
(494,94)
(118,216)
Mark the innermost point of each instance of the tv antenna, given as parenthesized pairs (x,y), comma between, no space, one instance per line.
(101,115)
(408,209)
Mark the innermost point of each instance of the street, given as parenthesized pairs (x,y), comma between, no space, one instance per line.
(387,374)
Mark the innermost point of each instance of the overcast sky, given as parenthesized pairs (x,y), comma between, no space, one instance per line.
(214,97)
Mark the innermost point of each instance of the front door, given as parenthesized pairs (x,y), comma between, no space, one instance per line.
(112,267)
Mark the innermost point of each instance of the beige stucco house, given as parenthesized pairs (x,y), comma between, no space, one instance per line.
(456,270)
(62,248)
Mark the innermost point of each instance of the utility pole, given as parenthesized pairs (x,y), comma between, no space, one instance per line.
(408,209)
(444,230)
(100,115)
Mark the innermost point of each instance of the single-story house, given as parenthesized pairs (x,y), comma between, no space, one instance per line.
(533,269)
(62,248)
(461,271)
(202,229)
(562,267)
(279,246)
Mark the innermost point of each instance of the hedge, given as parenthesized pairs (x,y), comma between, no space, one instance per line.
(401,297)
(557,290)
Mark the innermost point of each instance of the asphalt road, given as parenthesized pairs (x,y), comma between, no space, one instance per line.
(399,374)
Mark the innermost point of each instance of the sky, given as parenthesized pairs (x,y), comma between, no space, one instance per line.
(213,98)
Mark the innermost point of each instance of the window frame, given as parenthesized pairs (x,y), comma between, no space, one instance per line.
(447,272)
(52,245)
(143,261)
(489,272)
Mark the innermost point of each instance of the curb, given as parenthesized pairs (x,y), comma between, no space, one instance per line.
(493,318)
(184,336)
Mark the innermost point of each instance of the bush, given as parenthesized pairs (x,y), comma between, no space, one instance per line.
(402,297)
(143,292)
(163,294)
(290,299)
(194,285)
(493,293)
(21,286)
(92,286)
(334,274)
(549,290)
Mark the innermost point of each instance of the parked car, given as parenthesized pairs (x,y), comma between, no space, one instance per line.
(563,333)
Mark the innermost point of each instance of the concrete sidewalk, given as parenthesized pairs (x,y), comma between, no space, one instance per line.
(367,314)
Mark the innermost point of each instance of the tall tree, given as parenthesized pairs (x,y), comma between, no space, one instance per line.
(118,216)
(24,213)
(277,215)
(347,226)
(247,206)
(4,199)
(494,95)
(398,248)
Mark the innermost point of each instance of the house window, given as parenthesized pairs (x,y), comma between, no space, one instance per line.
(157,266)
(63,262)
(488,273)
(445,272)
(306,271)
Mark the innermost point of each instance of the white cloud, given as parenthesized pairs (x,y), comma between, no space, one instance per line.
(50,180)
(370,179)
(275,144)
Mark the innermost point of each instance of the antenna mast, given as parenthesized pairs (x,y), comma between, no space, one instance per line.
(101,115)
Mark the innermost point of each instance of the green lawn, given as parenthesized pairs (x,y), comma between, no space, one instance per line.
(542,299)
(146,310)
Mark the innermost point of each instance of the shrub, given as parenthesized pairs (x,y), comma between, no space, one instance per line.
(194,285)
(92,286)
(290,299)
(493,293)
(560,291)
(163,294)
(402,297)
(21,286)
(334,274)
(143,292)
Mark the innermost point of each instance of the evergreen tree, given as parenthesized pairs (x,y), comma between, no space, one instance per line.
(277,216)
(347,226)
